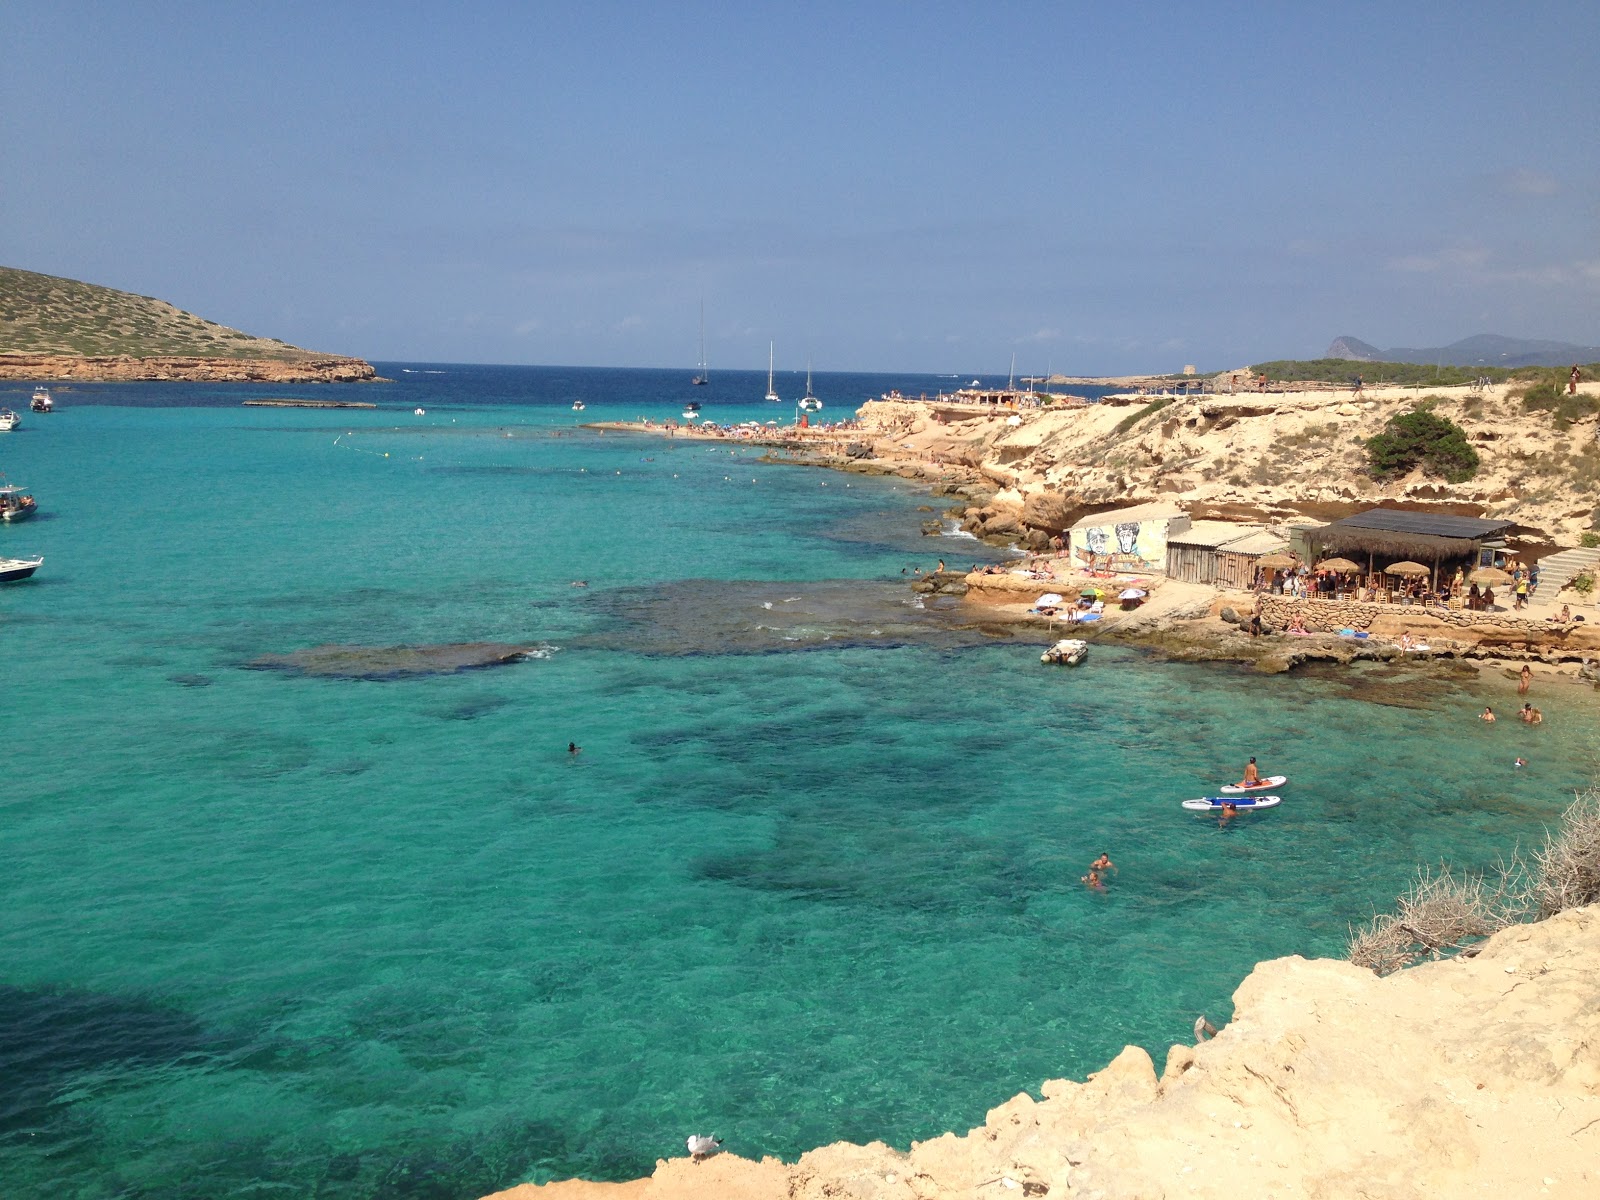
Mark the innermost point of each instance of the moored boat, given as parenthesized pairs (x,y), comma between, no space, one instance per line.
(16,504)
(14,569)
(9,420)
(42,403)
(578,406)
(1068,651)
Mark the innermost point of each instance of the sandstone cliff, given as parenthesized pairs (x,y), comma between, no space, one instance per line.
(1467,1076)
(1266,456)
(115,368)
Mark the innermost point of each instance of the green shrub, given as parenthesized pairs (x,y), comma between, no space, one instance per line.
(1133,418)
(1421,436)
(1589,541)
(1583,584)
(1550,395)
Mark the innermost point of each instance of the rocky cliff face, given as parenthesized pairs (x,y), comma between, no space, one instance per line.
(1252,456)
(1477,1076)
(124,368)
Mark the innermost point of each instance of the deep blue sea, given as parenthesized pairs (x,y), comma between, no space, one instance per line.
(813,876)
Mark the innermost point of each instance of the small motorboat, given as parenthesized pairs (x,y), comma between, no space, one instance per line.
(9,420)
(1067,652)
(16,504)
(691,411)
(421,412)
(42,402)
(578,406)
(14,569)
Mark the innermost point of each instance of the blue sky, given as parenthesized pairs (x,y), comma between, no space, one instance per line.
(1098,187)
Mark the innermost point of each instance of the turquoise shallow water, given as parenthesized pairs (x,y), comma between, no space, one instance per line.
(813,875)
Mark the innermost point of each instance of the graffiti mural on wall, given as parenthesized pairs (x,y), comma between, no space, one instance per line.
(1128,546)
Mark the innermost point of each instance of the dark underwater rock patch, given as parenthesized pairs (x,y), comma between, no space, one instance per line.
(395,662)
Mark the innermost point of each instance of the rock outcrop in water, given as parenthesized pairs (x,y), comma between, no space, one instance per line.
(393,662)
(1477,1075)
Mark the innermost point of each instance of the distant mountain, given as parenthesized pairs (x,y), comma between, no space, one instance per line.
(1354,348)
(1485,349)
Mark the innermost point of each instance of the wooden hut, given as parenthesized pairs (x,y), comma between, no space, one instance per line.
(1192,555)
(1237,560)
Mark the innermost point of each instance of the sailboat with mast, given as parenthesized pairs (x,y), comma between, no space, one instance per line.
(771,394)
(703,376)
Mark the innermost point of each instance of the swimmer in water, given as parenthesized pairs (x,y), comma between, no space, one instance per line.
(1521,762)
(1487,715)
(1103,863)
(1230,810)
(574,749)
(1093,880)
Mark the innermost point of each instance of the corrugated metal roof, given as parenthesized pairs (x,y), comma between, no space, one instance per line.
(1397,520)
(1211,533)
(1260,542)
(1139,512)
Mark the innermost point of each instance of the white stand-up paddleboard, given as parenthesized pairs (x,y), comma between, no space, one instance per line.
(1215,803)
(1239,789)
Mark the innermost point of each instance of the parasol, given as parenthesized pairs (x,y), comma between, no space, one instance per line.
(1406,568)
(1046,600)
(1489,575)
(1277,562)
(1132,594)
(1092,591)
(1338,564)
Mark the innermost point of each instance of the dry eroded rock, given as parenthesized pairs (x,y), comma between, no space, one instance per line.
(1477,1076)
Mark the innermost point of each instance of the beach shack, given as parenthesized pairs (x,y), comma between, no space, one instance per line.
(1131,541)
(1238,561)
(1381,537)
(1194,554)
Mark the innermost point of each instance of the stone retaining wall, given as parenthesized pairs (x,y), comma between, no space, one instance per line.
(1333,615)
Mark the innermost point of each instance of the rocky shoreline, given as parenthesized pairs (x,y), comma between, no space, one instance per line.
(117,368)
(1476,1073)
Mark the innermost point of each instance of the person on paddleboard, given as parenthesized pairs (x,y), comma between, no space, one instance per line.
(1251,776)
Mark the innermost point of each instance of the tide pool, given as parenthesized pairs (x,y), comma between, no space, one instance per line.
(813,876)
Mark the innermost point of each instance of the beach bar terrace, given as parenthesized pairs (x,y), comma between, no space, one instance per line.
(1383,537)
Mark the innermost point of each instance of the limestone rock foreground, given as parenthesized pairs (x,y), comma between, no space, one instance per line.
(1466,1077)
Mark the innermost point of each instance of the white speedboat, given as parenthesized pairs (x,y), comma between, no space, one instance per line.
(9,420)
(16,504)
(578,406)
(13,569)
(691,411)
(1068,651)
(41,401)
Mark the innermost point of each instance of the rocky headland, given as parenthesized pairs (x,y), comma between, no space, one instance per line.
(1472,1075)
(58,329)
(121,368)
(1270,457)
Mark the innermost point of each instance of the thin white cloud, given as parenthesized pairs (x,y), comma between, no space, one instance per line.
(1523,182)
(1453,258)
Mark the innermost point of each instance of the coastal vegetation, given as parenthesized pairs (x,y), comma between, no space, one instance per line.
(1344,371)
(1547,392)
(1133,418)
(1446,912)
(1422,437)
(45,314)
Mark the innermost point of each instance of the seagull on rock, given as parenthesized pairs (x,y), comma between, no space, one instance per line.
(701,1146)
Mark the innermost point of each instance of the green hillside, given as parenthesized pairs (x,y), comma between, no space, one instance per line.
(42,314)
